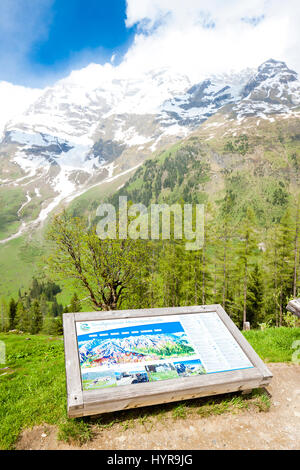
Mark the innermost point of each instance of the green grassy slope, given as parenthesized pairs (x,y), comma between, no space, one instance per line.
(20,259)
(256,167)
(18,263)
(255,163)
(88,202)
(11,199)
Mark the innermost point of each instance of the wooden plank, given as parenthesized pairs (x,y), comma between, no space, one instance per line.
(72,365)
(147,312)
(245,346)
(95,408)
(93,405)
(172,385)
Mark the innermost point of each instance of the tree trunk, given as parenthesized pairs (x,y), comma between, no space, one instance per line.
(203,266)
(296,253)
(225,269)
(275,280)
(215,284)
(280,306)
(245,288)
(195,286)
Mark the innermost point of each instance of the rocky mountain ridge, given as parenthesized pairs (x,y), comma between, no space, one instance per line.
(94,126)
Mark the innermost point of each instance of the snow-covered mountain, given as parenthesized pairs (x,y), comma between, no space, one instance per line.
(273,89)
(204,99)
(99,124)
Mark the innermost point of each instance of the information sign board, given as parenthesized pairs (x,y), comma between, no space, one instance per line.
(124,359)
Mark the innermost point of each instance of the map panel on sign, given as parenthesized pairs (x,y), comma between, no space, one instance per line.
(121,352)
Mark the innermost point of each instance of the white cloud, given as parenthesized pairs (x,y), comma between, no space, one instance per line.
(14,101)
(193,37)
(199,37)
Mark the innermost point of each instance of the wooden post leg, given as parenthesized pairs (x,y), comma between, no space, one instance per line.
(247,392)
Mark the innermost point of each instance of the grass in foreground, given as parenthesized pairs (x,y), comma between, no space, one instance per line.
(273,344)
(32,389)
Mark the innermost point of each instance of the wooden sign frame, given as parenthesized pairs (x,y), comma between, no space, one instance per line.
(88,402)
(294,307)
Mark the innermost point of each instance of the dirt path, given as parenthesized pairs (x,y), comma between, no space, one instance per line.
(248,429)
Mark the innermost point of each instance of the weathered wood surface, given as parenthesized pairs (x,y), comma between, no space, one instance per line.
(83,403)
(144,312)
(294,307)
(245,346)
(73,374)
(95,406)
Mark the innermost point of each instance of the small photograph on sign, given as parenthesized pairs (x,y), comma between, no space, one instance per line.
(94,380)
(188,368)
(163,371)
(132,377)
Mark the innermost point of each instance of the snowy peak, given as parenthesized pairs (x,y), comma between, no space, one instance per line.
(204,99)
(275,68)
(270,74)
(273,89)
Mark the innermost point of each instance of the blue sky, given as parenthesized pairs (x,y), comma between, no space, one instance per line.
(42,41)
(94,28)
(46,39)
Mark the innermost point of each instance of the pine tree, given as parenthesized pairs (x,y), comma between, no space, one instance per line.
(143,291)
(56,308)
(192,277)
(255,297)
(3,315)
(49,324)
(222,247)
(75,305)
(285,245)
(36,289)
(12,310)
(58,330)
(171,268)
(296,246)
(44,305)
(22,317)
(207,257)
(246,250)
(36,318)
(271,267)
(153,279)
